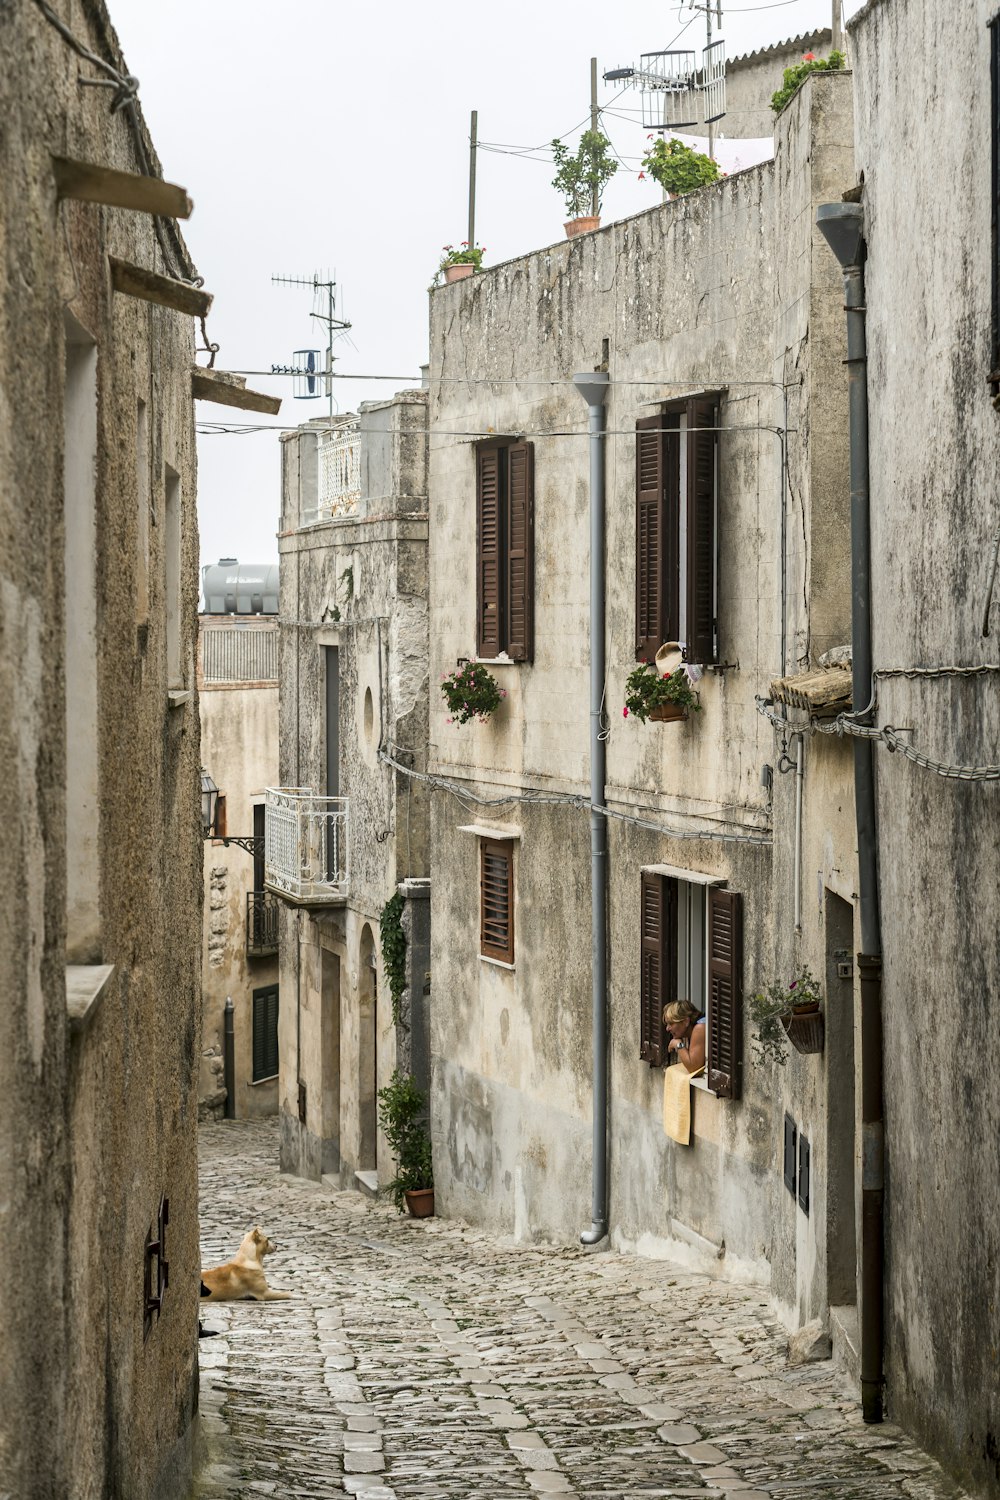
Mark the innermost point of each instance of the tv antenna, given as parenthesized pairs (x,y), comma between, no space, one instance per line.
(676,94)
(305,371)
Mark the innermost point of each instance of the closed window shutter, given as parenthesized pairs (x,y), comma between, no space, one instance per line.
(488,518)
(702,456)
(271,1051)
(265,1032)
(656,947)
(520,551)
(649,537)
(496,900)
(725,992)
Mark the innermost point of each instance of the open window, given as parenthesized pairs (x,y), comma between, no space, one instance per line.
(505,563)
(676,532)
(691,948)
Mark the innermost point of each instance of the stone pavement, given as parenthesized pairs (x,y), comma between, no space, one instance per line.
(423,1360)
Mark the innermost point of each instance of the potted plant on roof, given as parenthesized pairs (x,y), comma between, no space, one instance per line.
(795,77)
(455,264)
(471,692)
(582,178)
(678,168)
(402,1110)
(787,1010)
(663,699)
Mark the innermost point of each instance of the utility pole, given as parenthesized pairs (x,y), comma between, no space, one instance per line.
(473,141)
(594,205)
(837,27)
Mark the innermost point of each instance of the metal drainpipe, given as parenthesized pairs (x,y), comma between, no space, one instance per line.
(594,388)
(842,225)
(229,1060)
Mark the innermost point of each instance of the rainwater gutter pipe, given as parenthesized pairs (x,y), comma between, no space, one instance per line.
(594,388)
(842,225)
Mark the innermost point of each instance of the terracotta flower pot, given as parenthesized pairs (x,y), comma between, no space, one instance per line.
(805,1028)
(459,272)
(582,226)
(668,713)
(420,1202)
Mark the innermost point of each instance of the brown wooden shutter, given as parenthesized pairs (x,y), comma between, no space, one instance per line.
(649,538)
(725,992)
(657,922)
(702,453)
(520,551)
(488,552)
(496,900)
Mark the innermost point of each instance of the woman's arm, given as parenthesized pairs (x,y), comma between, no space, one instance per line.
(694,1057)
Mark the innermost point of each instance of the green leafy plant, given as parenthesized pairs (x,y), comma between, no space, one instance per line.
(579,176)
(390,925)
(471,692)
(465,256)
(402,1111)
(794,77)
(775,1002)
(645,690)
(678,168)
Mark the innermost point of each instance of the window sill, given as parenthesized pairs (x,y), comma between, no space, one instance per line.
(501,661)
(177,697)
(255,1083)
(498,833)
(85,985)
(497,963)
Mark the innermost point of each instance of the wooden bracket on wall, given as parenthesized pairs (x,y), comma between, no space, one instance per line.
(136,281)
(230,390)
(92,183)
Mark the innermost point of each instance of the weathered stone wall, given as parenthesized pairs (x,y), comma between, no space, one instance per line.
(924,103)
(98,1121)
(357,584)
(239,740)
(727,288)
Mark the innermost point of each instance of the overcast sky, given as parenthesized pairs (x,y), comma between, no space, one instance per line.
(319,136)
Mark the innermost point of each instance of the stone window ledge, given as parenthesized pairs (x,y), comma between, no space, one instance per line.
(85,986)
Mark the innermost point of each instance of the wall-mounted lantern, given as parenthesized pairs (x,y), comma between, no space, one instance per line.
(209,803)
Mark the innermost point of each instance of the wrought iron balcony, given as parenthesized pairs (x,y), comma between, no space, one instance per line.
(306,846)
(262,924)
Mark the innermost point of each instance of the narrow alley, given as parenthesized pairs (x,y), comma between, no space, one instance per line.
(424,1359)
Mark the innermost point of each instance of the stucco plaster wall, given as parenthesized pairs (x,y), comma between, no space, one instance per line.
(95,1124)
(239,738)
(356,583)
(922,75)
(723,289)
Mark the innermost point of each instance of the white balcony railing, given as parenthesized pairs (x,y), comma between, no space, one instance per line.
(338,489)
(305,845)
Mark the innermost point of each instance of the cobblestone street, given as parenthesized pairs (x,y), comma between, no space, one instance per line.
(424,1359)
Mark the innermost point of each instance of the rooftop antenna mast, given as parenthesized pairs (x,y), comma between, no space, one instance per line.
(308,375)
(676,94)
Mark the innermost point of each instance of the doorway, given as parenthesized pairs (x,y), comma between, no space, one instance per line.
(367,1051)
(329,1128)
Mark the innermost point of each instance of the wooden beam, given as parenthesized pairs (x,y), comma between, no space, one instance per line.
(136,281)
(96,184)
(230,390)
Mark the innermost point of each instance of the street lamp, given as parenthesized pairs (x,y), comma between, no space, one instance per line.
(209,801)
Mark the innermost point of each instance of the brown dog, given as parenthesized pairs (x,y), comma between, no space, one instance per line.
(243,1276)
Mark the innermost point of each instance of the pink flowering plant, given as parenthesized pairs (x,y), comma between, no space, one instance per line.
(775,1001)
(645,690)
(471,692)
(466,255)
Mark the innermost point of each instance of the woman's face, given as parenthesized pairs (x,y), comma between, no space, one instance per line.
(679,1029)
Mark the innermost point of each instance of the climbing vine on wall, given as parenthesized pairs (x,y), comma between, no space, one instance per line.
(394,952)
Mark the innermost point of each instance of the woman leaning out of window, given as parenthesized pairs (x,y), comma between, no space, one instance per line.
(686,1025)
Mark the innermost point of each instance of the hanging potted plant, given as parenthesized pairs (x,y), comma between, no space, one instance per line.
(471,692)
(455,264)
(787,1010)
(650,696)
(582,178)
(678,168)
(402,1109)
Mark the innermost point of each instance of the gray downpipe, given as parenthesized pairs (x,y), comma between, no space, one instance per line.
(228,1060)
(594,388)
(842,224)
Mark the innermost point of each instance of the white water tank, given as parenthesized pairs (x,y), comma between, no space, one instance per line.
(231,588)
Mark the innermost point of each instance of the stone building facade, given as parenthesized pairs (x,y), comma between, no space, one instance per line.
(101,855)
(717,320)
(927,107)
(350,828)
(238,705)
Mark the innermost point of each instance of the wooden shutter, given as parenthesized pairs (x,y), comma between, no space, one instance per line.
(496,900)
(702,454)
(725,992)
(488,552)
(657,924)
(520,551)
(265,1032)
(649,538)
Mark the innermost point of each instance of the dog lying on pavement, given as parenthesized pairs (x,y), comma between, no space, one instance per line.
(243,1276)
